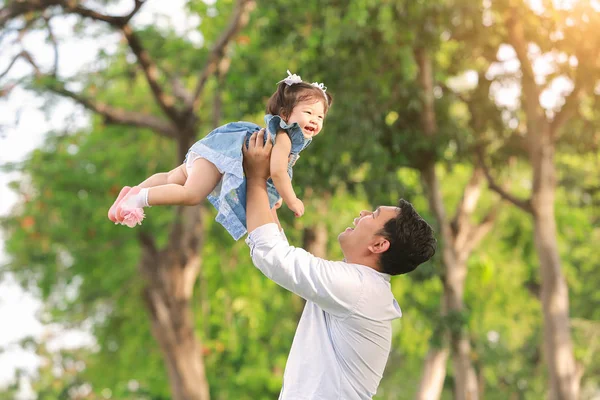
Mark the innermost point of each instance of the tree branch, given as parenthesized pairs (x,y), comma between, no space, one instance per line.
(460,223)
(525,205)
(180,91)
(119,116)
(5,91)
(112,114)
(18,8)
(165,101)
(54,44)
(15,9)
(136,8)
(516,37)
(117,21)
(478,232)
(238,20)
(13,61)
(151,72)
(471,194)
(88,13)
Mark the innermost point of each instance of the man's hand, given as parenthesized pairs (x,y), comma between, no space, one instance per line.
(257,157)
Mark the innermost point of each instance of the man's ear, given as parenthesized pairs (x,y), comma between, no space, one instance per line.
(380,245)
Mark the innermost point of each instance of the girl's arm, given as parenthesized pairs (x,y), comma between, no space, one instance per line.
(279,163)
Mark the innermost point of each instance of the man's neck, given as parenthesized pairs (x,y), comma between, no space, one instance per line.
(366,261)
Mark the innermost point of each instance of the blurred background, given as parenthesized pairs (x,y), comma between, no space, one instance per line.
(483,114)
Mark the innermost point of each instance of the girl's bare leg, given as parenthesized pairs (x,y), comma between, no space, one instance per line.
(177,176)
(182,189)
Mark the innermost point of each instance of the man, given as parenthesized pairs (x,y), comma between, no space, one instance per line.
(343,339)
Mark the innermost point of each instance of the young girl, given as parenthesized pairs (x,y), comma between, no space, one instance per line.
(213,166)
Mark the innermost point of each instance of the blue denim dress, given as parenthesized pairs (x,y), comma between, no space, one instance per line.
(223,148)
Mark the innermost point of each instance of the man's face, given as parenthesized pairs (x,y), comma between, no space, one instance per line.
(355,241)
(309,114)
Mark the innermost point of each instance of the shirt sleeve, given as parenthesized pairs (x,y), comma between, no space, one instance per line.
(336,287)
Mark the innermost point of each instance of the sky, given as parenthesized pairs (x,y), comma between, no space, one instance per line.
(27,125)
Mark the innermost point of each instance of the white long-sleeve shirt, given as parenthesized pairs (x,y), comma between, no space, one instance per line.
(343,339)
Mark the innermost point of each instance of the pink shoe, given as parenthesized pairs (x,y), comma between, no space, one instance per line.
(133,217)
(112,211)
(129,216)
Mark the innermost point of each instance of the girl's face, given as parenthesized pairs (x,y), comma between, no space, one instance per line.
(309,114)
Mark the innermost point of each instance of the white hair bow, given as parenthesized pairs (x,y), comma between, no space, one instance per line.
(320,86)
(291,79)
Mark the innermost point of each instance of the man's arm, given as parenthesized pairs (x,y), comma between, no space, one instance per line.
(334,286)
(256,168)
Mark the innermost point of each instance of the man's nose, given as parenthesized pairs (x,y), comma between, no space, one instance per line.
(363,213)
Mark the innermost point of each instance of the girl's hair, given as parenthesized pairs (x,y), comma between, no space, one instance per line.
(285,98)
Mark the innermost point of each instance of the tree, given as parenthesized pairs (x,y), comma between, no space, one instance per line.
(170,272)
(549,30)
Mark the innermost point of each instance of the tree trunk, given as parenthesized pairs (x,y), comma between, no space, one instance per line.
(455,273)
(563,371)
(454,267)
(434,369)
(466,384)
(564,374)
(315,240)
(564,377)
(170,275)
(315,236)
(434,374)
